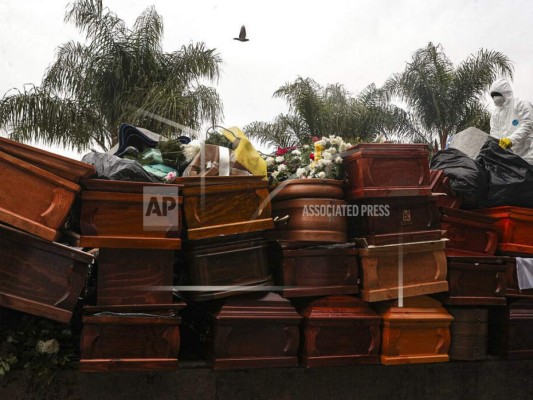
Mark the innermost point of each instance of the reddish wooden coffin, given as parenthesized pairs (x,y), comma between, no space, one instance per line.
(64,167)
(135,340)
(308,188)
(113,216)
(515,228)
(418,332)
(314,271)
(469,233)
(339,330)
(394,220)
(390,272)
(386,169)
(441,184)
(479,281)
(249,331)
(511,330)
(33,199)
(39,277)
(513,290)
(221,206)
(469,333)
(226,267)
(134,276)
(311,220)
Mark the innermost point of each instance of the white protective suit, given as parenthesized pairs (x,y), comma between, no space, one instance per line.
(514,120)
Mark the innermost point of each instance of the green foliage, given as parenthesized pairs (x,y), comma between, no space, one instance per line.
(118,75)
(444,99)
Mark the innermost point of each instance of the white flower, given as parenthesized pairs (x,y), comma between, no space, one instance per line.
(270,161)
(327,155)
(275,174)
(297,152)
(321,175)
(209,165)
(190,150)
(338,160)
(301,172)
(47,347)
(336,140)
(280,159)
(332,150)
(327,161)
(306,146)
(320,162)
(321,143)
(282,167)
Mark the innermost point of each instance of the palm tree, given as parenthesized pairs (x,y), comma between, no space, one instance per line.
(119,75)
(318,111)
(444,99)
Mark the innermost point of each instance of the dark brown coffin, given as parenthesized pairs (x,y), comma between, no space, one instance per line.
(394,220)
(441,184)
(423,265)
(308,188)
(302,220)
(339,330)
(515,229)
(512,282)
(136,340)
(39,277)
(469,333)
(469,233)
(249,331)
(33,199)
(64,167)
(418,332)
(314,271)
(112,215)
(511,330)
(228,266)
(386,170)
(134,276)
(221,206)
(480,281)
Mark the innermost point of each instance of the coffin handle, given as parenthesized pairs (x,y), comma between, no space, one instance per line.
(277,220)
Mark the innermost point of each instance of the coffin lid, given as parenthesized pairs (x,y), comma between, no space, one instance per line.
(338,307)
(106,185)
(419,307)
(406,201)
(392,249)
(314,188)
(15,235)
(466,216)
(385,149)
(500,260)
(502,212)
(196,181)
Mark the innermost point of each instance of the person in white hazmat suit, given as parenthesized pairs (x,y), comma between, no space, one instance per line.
(512,121)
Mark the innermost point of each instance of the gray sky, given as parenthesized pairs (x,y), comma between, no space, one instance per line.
(351,42)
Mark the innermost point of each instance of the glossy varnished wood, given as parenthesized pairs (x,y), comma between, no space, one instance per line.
(339,330)
(33,199)
(308,188)
(386,169)
(441,184)
(469,333)
(39,277)
(423,265)
(418,332)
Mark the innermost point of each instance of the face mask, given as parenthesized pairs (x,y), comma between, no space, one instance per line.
(498,101)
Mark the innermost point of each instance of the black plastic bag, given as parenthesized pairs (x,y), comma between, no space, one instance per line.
(468,178)
(140,138)
(118,169)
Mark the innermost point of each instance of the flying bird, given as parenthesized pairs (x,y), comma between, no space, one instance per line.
(242,35)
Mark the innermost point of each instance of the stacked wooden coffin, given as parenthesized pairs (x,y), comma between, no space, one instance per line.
(37,190)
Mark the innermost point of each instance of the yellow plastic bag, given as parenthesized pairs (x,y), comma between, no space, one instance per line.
(245,153)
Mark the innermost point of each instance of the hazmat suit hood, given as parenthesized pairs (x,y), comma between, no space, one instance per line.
(504,87)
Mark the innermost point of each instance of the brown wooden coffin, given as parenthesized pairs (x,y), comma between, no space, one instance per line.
(515,229)
(226,267)
(386,169)
(469,333)
(394,220)
(418,332)
(309,220)
(469,233)
(33,199)
(479,281)
(113,216)
(134,276)
(308,188)
(511,330)
(513,289)
(217,207)
(64,167)
(142,340)
(339,330)
(39,277)
(389,272)
(441,184)
(249,331)
(314,271)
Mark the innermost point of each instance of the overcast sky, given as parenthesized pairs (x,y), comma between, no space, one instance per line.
(350,42)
